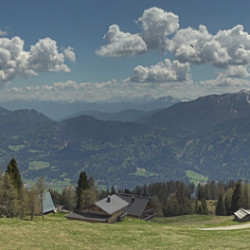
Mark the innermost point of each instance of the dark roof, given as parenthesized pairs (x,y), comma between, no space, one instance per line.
(48,204)
(87,217)
(137,204)
(114,204)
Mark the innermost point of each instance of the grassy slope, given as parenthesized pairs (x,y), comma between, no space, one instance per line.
(171,233)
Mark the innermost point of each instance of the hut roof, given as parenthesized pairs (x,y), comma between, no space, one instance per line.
(48,204)
(111,204)
(241,213)
(137,204)
(87,217)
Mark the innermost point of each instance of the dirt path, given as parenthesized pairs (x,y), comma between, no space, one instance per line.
(234,227)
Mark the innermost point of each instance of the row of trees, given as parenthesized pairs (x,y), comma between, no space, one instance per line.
(170,198)
(235,197)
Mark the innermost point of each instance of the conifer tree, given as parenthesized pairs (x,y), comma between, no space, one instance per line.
(236,198)
(9,197)
(228,201)
(220,207)
(81,186)
(13,172)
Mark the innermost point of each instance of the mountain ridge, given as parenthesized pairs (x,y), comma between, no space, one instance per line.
(203,138)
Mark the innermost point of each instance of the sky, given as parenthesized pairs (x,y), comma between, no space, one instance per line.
(99,50)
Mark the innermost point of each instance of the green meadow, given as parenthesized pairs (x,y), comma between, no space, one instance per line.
(182,232)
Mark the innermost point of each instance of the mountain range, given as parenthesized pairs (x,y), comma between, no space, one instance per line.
(61,110)
(199,140)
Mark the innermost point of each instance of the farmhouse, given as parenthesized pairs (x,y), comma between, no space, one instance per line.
(242,215)
(108,210)
(138,206)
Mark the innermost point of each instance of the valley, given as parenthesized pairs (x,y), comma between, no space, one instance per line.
(191,141)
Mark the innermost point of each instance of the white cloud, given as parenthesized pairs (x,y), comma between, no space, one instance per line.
(227,47)
(226,82)
(121,43)
(157,24)
(162,72)
(3,33)
(70,54)
(42,57)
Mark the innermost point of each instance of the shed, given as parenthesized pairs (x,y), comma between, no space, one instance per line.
(48,205)
(106,210)
(242,215)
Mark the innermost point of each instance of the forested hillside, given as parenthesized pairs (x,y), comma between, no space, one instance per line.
(206,139)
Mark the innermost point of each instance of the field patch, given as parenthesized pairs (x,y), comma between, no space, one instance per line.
(37,165)
(196,178)
(144,173)
(16,148)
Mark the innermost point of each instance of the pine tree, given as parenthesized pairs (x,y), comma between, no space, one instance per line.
(228,201)
(236,198)
(13,172)
(9,197)
(81,186)
(220,207)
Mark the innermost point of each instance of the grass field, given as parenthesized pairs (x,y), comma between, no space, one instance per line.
(55,232)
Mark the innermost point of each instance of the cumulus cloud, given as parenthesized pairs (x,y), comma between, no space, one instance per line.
(42,57)
(227,47)
(70,54)
(228,50)
(157,24)
(121,43)
(162,72)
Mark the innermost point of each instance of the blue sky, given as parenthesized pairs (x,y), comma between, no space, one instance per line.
(55,50)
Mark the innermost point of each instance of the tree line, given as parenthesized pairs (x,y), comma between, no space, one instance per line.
(170,198)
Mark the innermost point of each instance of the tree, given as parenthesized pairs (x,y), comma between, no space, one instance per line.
(228,201)
(220,207)
(32,201)
(88,197)
(13,172)
(9,197)
(245,196)
(41,187)
(236,198)
(203,208)
(81,186)
(69,197)
(172,206)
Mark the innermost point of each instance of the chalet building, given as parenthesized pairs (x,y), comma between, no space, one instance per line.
(138,206)
(242,215)
(107,210)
